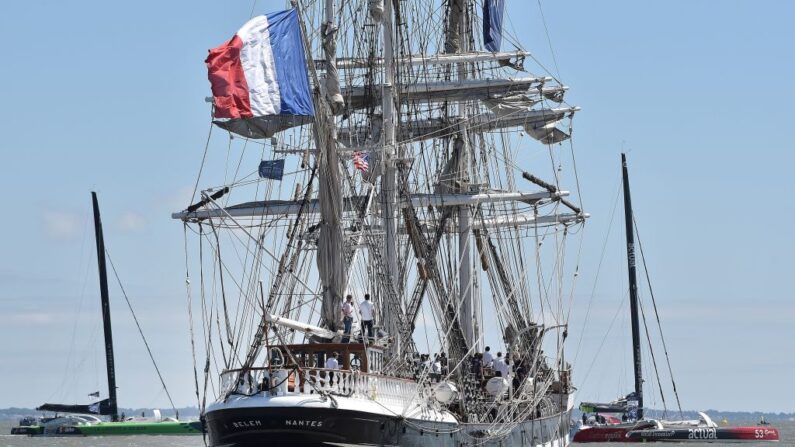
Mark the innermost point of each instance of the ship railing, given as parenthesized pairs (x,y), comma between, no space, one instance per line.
(306,381)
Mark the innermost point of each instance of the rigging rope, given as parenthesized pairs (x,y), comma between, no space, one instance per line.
(204,157)
(657,315)
(140,331)
(598,271)
(653,358)
(549,41)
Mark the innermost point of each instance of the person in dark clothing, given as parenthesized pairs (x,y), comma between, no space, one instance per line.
(445,366)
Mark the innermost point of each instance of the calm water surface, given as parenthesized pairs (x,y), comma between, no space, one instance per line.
(787,439)
(7,440)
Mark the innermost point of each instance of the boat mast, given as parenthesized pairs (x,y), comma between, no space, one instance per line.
(103,290)
(633,287)
(388,180)
(465,270)
(330,259)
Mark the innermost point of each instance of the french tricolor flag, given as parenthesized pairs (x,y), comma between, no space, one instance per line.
(262,70)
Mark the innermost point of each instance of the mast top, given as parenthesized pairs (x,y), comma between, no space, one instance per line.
(633,294)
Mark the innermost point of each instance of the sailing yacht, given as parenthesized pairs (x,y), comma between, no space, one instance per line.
(84,419)
(393,142)
(633,427)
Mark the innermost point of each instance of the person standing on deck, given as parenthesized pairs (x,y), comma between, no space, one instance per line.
(332,365)
(367,312)
(425,366)
(443,361)
(487,358)
(347,317)
(436,368)
(500,366)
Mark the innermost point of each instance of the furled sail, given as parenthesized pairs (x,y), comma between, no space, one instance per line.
(544,131)
(424,129)
(331,80)
(452,43)
(258,209)
(376,10)
(102,407)
(263,126)
(503,58)
(464,89)
(330,259)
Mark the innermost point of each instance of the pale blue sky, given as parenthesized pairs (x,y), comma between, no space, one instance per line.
(110,96)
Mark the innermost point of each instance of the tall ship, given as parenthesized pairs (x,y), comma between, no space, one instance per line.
(390,151)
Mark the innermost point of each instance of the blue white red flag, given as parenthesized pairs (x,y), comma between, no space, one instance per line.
(361,161)
(262,70)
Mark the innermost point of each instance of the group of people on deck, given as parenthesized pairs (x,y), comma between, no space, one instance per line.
(501,365)
(366,317)
(435,367)
(484,365)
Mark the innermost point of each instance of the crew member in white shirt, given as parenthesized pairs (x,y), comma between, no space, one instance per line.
(367,312)
(436,368)
(501,367)
(332,364)
(487,358)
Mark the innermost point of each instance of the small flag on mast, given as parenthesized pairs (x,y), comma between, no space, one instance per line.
(272,169)
(361,161)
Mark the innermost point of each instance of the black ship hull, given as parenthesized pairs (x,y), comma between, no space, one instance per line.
(277,426)
(260,426)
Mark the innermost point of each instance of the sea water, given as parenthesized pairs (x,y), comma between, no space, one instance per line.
(787,430)
(8,440)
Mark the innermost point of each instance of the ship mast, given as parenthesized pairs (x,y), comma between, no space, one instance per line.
(388,180)
(633,287)
(330,260)
(103,290)
(465,270)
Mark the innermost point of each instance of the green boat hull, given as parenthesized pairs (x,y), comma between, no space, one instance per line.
(140,428)
(30,430)
(129,428)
